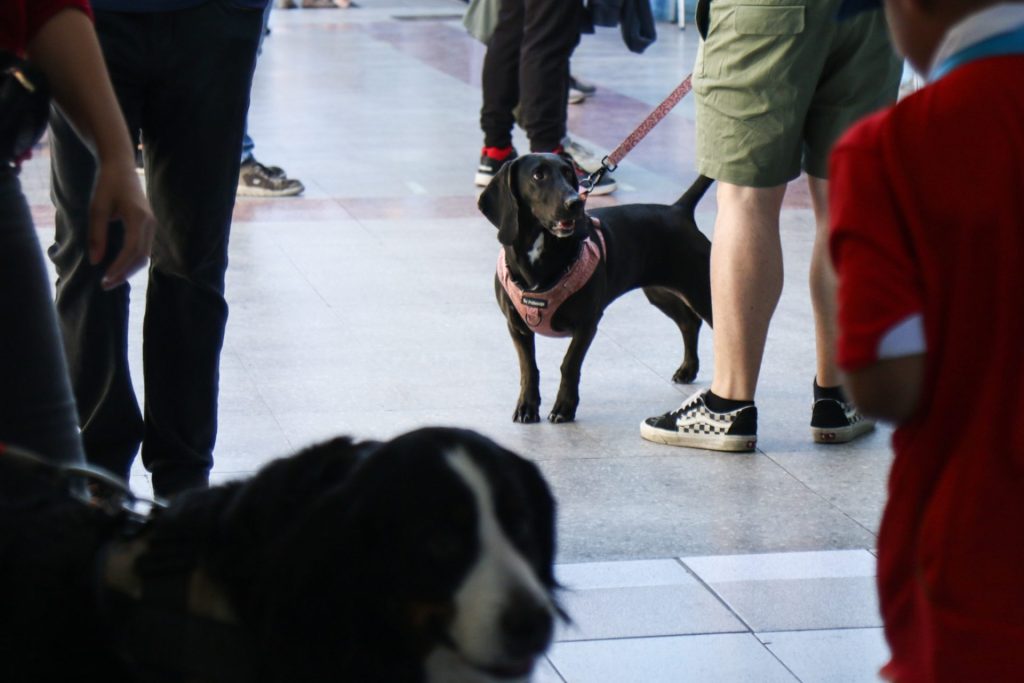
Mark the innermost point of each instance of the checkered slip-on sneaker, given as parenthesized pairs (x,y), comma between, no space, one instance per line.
(696,426)
(834,421)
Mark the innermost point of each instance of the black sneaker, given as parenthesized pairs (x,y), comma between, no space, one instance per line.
(834,421)
(489,167)
(695,425)
(584,87)
(257,180)
(606,185)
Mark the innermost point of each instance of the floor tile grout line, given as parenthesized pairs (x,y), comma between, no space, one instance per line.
(551,663)
(695,634)
(743,621)
(708,587)
(823,498)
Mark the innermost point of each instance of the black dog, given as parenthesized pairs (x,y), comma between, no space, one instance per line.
(423,559)
(556,256)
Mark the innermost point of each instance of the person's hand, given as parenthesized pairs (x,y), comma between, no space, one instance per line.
(119,196)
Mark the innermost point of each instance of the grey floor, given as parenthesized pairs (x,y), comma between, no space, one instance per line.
(366,307)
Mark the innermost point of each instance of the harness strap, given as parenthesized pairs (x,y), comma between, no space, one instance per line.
(537,309)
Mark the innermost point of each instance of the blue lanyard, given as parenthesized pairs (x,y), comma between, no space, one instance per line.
(1011,43)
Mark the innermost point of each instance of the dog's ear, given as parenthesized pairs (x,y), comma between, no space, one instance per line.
(499,202)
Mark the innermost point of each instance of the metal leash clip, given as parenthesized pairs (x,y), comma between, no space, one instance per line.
(588,183)
(90,485)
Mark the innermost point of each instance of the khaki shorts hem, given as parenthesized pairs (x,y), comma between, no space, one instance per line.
(743,176)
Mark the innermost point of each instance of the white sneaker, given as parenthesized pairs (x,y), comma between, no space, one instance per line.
(585,157)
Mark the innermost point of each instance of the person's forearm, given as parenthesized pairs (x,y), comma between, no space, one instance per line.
(889,390)
(67,51)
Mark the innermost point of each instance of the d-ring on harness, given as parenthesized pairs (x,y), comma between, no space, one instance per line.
(611,161)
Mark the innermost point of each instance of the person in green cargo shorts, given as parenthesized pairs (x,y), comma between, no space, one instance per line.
(776,83)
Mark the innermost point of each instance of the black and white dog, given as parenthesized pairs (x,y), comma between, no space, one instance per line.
(425,559)
(560,267)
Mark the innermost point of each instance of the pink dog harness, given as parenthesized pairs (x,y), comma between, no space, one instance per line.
(537,309)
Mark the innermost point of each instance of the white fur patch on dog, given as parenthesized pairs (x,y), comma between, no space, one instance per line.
(536,250)
(499,574)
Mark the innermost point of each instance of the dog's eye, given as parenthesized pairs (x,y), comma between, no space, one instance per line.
(540,173)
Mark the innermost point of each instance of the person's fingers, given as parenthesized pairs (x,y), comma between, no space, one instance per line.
(138,241)
(99,222)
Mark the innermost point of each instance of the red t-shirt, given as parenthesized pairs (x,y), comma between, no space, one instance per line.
(21,19)
(927,211)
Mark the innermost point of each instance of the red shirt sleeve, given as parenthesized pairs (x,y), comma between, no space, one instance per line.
(879,285)
(41,11)
(20,20)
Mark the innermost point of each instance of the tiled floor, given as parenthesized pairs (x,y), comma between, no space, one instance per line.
(366,307)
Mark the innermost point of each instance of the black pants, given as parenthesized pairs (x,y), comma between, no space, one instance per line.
(527,64)
(183,78)
(37,410)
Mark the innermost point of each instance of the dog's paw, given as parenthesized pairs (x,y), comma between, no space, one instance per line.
(526,413)
(564,411)
(686,373)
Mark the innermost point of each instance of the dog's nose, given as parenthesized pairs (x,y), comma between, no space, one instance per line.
(526,628)
(573,203)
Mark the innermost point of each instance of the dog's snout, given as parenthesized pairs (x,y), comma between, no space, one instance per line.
(527,628)
(573,203)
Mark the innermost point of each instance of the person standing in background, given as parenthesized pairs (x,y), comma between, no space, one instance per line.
(775,86)
(182,71)
(526,69)
(256,179)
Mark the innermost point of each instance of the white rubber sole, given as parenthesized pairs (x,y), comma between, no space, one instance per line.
(842,434)
(711,442)
(248,191)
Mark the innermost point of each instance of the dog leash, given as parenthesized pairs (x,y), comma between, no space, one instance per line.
(121,501)
(611,161)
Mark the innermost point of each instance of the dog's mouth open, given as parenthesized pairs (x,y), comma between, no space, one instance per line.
(563,228)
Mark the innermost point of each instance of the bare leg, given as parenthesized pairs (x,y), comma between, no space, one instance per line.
(823,288)
(746,282)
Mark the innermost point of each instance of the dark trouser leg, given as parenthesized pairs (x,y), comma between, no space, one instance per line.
(94,323)
(500,77)
(550,34)
(37,410)
(193,127)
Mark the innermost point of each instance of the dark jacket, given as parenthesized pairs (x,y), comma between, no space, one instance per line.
(634,17)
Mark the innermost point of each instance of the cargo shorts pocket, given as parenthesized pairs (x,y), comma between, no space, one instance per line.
(760,20)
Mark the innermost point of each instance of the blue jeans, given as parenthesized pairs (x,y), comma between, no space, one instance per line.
(183,79)
(37,411)
(248,145)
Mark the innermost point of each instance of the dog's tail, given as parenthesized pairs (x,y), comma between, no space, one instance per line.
(692,196)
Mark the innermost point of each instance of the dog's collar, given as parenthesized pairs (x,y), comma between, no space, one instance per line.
(537,309)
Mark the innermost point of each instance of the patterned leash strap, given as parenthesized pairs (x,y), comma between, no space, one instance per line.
(611,161)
